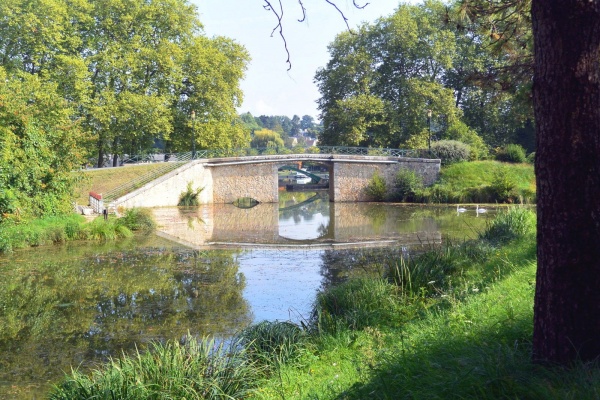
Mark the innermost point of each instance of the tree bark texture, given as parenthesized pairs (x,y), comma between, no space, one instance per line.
(567,112)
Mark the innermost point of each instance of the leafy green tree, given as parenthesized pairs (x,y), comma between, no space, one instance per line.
(40,147)
(295,129)
(307,122)
(399,61)
(264,138)
(134,71)
(249,122)
(431,57)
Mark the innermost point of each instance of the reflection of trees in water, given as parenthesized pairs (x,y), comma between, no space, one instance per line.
(340,265)
(61,314)
(306,211)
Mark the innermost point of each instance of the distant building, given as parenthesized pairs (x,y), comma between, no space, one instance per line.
(311,142)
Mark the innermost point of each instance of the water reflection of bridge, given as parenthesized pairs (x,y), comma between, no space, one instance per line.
(317,224)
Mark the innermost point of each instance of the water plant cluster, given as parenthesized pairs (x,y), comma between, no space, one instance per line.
(60,229)
(452,322)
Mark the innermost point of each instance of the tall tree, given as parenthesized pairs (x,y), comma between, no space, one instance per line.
(390,73)
(567,112)
(133,70)
(40,148)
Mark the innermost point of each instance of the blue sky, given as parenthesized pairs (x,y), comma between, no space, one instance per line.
(268,87)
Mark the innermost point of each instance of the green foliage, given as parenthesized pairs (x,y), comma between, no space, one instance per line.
(377,188)
(407,185)
(482,182)
(382,79)
(40,146)
(512,153)
(39,232)
(513,224)
(132,71)
(273,343)
(503,185)
(190,196)
(451,151)
(266,138)
(60,229)
(356,304)
(196,369)
(138,219)
(461,132)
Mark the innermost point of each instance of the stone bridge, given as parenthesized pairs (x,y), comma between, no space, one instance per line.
(225,180)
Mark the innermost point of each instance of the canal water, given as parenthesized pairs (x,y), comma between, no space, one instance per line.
(210,270)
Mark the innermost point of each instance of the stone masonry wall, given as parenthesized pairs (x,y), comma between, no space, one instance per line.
(258,181)
(349,180)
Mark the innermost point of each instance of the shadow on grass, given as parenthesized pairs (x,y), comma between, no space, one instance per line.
(474,358)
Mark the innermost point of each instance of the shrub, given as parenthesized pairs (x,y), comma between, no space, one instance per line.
(377,188)
(137,219)
(512,224)
(512,153)
(451,151)
(272,343)
(503,187)
(194,370)
(407,184)
(190,196)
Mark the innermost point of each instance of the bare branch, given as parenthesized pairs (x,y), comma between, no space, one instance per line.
(359,7)
(279,15)
(340,11)
(303,11)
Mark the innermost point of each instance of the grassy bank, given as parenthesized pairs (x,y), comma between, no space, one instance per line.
(451,323)
(102,180)
(483,182)
(52,230)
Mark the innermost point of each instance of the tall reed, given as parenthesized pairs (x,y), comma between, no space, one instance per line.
(273,343)
(198,369)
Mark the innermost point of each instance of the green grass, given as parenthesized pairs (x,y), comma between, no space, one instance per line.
(467,335)
(479,181)
(197,369)
(272,344)
(54,230)
(102,180)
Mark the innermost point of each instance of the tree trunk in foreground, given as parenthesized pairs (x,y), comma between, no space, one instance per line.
(567,112)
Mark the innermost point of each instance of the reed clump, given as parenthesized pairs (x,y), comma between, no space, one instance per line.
(271,344)
(197,369)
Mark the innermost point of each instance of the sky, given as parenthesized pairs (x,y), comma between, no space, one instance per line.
(269,88)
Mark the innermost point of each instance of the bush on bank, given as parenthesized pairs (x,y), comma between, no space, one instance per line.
(53,230)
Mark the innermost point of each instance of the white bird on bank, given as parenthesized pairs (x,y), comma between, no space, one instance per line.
(460,209)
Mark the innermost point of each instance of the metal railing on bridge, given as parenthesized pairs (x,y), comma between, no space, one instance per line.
(172,161)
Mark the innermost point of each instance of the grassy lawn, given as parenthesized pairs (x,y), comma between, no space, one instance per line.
(101,180)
